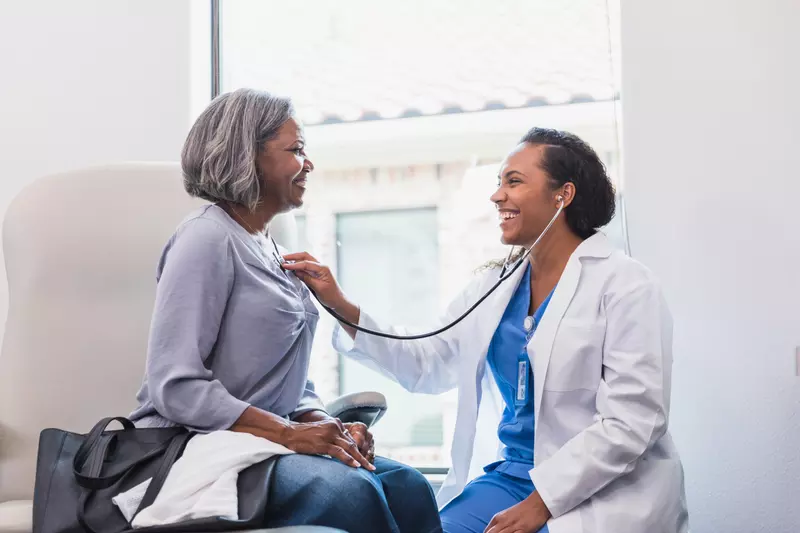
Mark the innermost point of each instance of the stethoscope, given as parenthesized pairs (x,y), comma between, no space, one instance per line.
(506,272)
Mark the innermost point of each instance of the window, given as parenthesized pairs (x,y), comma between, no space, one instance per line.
(302,234)
(389,263)
(409,107)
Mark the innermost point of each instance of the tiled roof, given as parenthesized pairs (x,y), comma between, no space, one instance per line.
(355,60)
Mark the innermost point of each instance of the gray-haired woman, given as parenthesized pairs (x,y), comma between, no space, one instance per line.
(231,334)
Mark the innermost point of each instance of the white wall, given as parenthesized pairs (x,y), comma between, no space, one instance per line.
(711,106)
(85,82)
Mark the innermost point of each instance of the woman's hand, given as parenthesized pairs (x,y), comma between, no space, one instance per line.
(325,437)
(528,516)
(363,439)
(356,430)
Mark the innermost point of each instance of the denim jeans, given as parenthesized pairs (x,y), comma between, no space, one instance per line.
(313,490)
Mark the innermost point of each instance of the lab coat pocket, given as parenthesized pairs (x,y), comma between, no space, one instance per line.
(577,357)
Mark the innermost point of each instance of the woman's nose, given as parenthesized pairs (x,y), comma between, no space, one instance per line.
(308,166)
(498,196)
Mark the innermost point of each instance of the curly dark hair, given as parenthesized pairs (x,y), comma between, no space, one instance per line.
(567,158)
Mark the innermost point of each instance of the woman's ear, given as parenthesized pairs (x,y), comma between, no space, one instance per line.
(566,194)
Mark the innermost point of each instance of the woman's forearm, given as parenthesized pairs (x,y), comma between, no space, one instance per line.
(313,416)
(263,424)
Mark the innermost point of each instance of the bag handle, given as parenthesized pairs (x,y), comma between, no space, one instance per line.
(93,480)
(174,448)
(89,445)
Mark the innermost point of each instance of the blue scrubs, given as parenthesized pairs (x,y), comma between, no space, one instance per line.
(506,482)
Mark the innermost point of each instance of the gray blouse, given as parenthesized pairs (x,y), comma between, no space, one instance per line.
(230,329)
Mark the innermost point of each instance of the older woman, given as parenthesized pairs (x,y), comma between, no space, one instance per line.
(231,333)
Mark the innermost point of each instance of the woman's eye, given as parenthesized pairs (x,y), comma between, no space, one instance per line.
(298,150)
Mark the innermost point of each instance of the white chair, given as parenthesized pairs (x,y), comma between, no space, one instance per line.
(81,251)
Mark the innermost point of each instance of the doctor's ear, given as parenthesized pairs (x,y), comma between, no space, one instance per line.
(565,194)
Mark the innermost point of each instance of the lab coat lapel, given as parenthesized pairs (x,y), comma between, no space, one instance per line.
(540,348)
(541,345)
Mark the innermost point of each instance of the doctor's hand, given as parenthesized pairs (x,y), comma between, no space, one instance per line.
(317,276)
(528,516)
(319,279)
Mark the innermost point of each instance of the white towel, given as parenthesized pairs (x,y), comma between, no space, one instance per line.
(202,483)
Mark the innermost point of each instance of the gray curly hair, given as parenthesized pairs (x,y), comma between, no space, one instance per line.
(218,159)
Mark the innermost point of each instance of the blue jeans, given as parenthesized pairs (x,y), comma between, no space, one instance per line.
(313,490)
(473,509)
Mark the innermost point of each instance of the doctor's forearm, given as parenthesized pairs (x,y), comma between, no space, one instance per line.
(350,312)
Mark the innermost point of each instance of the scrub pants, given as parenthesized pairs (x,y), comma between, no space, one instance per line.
(473,509)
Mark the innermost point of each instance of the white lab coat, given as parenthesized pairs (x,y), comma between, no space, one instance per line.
(601,359)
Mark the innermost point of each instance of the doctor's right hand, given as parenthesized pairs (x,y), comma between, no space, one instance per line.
(321,282)
(317,277)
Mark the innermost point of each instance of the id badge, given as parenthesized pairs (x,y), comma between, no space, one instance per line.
(522,381)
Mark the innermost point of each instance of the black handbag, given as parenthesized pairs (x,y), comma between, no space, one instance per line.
(77,475)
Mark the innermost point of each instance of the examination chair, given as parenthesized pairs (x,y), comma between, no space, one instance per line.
(80,251)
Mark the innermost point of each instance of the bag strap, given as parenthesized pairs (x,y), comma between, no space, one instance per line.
(174,451)
(95,481)
(95,467)
(95,434)
(88,446)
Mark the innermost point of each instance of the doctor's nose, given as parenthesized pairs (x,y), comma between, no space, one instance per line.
(498,196)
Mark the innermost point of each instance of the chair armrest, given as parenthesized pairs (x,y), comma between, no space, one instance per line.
(366,407)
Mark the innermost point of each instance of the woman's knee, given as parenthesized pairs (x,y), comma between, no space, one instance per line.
(409,496)
(393,474)
(386,468)
(318,491)
(358,485)
(327,476)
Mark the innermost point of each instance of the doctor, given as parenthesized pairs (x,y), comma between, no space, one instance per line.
(563,373)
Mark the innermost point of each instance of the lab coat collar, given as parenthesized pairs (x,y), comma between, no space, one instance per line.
(597,246)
